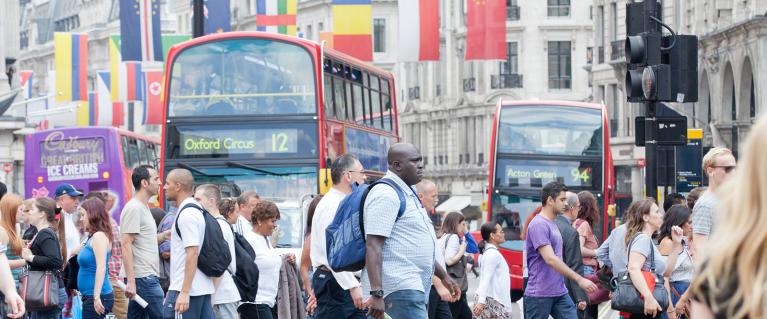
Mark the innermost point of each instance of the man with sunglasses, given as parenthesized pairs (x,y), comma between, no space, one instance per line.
(717,164)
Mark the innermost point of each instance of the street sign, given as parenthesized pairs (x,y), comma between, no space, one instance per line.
(670,131)
(8,167)
(689,173)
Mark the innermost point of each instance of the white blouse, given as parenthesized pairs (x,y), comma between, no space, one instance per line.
(269,263)
(494,281)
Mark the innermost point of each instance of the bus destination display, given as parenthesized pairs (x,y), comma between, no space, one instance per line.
(533,172)
(195,141)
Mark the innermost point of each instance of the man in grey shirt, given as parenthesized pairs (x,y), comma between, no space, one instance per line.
(718,164)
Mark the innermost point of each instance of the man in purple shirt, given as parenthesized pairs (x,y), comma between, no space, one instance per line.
(545,294)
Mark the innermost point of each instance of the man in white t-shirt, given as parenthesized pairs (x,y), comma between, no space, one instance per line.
(139,238)
(339,294)
(68,198)
(227,297)
(190,291)
(245,204)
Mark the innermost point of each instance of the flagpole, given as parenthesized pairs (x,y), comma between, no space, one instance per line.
(198,22)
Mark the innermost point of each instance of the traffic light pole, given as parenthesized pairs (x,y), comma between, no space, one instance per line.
(198,22)
(650,127)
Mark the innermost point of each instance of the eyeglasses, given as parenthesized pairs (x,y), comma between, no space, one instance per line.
(358,172)
(727,169)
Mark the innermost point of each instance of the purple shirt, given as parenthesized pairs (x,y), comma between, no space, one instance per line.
(543,280)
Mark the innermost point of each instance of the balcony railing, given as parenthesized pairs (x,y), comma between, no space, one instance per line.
(617,50)
(513,13)
(469,85)
(506,81)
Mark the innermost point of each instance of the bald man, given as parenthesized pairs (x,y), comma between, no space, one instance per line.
(190,290)
(407,258)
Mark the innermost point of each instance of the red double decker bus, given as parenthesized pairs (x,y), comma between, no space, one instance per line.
(263,112)
(534,143)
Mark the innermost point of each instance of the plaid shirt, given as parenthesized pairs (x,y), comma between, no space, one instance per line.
(116,258)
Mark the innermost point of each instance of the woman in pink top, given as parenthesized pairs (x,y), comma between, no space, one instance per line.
(587,218)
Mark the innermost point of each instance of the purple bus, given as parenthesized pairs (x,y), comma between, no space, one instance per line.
(89,158)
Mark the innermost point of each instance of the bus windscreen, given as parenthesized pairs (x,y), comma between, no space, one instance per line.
(561,130)
(243,77)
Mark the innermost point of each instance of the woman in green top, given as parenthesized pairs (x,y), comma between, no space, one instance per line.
(9,207)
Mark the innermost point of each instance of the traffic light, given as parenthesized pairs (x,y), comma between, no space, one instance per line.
(660,68)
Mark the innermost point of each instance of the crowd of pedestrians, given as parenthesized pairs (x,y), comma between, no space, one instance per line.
(417,261)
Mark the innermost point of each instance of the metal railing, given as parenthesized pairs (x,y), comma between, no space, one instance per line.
(513,13)
(506,81)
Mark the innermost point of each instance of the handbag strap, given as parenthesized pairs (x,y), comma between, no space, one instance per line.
(652,251)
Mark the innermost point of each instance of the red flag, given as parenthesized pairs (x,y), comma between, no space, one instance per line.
(486,30)
(117,114)
(152,102)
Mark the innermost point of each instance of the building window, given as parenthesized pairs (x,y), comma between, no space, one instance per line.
(309,34)
(752,110)
(320,27)
(379,35)
(600,34)
(559,8)
(613,22)
(512,57)
(613,107)
(560,68)
(512,10)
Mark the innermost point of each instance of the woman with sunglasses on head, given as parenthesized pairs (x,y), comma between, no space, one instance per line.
(494,279)
(47,248)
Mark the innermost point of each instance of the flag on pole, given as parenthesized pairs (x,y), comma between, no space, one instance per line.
(152,102)
(92,114)
(103,86)
(133,91)
(140,30)
(418,30)
(278,16)
(217,16)
(169,40)
(26,82)
(328,38)
(116,70)
(71,59)
(118,114)
(486,30)
(352,28)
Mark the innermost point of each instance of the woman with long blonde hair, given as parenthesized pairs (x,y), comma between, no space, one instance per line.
(731,280)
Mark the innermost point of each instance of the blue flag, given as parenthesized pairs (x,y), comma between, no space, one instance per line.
(140,30)
(217,16)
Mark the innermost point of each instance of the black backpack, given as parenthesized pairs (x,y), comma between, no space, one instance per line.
(246,276)
(214,257)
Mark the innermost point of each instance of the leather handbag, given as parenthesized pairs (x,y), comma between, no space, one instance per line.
(40,290)
(627,298)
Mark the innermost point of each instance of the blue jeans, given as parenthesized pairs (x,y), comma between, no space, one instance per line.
(150,290)
(89,310)
(561,307)
(54,313)
(680,287)
(332,300)
(200,307)
(409,304)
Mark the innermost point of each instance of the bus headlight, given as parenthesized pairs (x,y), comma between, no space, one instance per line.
(105,175)
(39,179)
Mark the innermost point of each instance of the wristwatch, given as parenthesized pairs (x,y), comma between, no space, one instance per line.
(377,293)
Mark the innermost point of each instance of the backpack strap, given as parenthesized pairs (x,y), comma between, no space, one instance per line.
(400,194)
(193,205)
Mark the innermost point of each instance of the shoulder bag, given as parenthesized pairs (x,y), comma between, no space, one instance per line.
(458,270)
(40,288)
(627,298)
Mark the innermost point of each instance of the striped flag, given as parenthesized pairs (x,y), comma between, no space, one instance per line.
(352,28)
(278,16)
(88,115)
(133,91)
(486,30)
(26,82)
(152,91)
(71,59)
(116,70)
(118,114)
(140,30)
(103,86)
(418,30)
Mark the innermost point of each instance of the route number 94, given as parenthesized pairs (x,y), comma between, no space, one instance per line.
(582,175)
